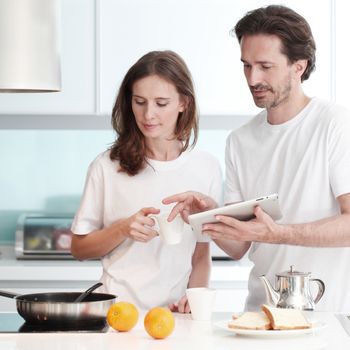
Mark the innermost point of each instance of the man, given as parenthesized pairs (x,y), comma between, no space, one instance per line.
(298,147)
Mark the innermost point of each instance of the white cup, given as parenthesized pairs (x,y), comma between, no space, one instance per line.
(170,232)
(201,301)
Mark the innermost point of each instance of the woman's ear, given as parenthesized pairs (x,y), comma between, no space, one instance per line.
(183,103)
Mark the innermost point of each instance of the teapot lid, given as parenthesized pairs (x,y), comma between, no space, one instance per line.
(292,272)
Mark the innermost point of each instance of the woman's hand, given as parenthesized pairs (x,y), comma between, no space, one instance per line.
(182,306)
(139,226)
(188,203)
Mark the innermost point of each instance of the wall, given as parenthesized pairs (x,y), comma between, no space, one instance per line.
(44,170)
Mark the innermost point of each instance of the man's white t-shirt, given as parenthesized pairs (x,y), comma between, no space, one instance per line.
(146,274)
(307,162)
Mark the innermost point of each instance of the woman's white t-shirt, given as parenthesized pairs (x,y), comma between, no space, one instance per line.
(146,274)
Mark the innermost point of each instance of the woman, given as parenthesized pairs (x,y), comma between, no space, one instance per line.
(154,116)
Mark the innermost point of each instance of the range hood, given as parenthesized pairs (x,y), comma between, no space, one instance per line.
(29,46)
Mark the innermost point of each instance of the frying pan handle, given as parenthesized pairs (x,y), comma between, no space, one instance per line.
(8,294)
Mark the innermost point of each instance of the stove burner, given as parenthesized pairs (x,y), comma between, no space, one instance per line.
(44,327)
(13,323)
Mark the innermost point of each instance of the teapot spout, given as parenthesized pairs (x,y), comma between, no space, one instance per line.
(272,297)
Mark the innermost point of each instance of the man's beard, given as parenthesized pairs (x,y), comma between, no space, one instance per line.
(278,97)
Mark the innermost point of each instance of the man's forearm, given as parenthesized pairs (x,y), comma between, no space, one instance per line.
(330,232)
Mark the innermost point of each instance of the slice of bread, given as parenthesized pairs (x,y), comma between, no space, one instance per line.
(251,320)
(285,318)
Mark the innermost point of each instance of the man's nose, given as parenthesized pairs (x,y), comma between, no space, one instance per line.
(253,76)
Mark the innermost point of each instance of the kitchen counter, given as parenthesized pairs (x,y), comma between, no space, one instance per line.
(12,269)
(187,335)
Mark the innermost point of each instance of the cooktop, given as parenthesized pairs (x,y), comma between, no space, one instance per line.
(11,322)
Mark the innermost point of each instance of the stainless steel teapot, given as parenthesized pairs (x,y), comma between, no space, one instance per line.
(292,290)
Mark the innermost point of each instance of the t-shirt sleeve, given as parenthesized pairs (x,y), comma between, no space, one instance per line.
(215,191)
(216,187)
(89,216)
(232,188)
(339,154)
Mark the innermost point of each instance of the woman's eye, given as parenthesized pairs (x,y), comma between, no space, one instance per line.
(161,104)
(139,102)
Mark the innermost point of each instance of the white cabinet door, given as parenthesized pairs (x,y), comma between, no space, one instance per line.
(77,29)
(199,31)
(230,300)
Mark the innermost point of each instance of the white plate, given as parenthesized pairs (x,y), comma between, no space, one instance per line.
(316,326)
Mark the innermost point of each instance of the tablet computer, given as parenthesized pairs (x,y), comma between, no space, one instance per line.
(242,211)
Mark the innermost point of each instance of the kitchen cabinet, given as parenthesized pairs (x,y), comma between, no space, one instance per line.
(199,31)
(101,39)
(77,65)
(230,298)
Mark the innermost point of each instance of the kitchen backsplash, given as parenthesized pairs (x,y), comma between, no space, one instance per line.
(44,170)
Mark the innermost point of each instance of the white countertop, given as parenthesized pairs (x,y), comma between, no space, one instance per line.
(188,335)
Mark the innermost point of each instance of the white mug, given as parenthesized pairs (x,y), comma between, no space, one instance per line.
(201,301)
(170,232)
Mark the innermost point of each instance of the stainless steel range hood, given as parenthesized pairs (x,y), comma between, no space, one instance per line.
(29,46)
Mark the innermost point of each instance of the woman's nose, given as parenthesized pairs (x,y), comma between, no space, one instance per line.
(149,111)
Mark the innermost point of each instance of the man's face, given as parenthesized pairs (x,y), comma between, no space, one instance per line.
(267,70)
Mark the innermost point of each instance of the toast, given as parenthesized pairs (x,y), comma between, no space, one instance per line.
(251,320)
(284,319)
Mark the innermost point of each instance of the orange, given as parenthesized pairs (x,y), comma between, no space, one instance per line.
(122,316)
(159,322)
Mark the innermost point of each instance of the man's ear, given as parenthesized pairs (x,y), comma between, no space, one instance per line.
(300,67)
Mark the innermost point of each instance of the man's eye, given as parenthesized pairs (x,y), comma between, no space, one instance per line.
(161,104)
(266,67)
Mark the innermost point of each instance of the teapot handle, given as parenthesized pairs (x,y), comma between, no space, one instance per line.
(321,289)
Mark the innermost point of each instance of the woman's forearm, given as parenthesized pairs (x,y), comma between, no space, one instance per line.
(98,243)
(201,266)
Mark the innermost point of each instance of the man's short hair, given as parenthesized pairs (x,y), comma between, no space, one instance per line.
(292,29)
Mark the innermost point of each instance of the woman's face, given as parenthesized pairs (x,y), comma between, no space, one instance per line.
(156,105)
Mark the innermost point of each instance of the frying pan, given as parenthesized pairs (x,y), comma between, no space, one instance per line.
(62,308)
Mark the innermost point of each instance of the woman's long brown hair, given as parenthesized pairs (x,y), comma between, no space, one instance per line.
(129,147)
